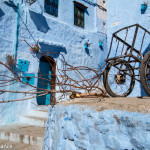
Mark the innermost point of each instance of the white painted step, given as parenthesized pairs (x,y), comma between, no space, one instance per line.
(6,145)
(33,120)
(38,113)
(23,133)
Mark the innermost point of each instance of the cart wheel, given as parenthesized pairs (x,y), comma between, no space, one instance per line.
(145,73)
(118,78)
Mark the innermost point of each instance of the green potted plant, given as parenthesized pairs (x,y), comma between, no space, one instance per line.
(35,48)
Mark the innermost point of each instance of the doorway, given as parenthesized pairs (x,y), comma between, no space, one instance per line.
(46,80)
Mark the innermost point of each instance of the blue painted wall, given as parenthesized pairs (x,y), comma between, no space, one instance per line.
(61,35)
(55,34)
(82,127)
(123,13)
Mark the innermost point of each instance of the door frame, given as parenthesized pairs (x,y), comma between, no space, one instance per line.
(52,62)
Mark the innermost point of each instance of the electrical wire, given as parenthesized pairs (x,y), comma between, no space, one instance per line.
(87,1)
(27,28)
(13,5)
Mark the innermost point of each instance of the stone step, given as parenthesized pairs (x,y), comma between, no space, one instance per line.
(5,145)
(33,120)
(42,108)
(38,113)
(23,133)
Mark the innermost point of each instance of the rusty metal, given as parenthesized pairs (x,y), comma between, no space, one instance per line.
(131,54)
(73,80)
(62,80)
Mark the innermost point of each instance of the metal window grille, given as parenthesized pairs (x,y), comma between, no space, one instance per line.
(30,2)
(51,7)
(78,16)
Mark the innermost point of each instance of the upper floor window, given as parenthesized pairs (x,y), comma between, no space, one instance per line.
(30,2)
(51,7)
(79,10)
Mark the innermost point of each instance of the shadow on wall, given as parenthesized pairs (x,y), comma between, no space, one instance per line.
(87,12)
(52,48)
(143,93)
(1,13)
(11,4)
(39,21)
(87,51)
(147,49)
(101,47)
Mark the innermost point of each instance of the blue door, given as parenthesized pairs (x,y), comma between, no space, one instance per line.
(44,71)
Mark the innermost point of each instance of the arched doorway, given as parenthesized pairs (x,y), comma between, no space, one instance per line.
(46,80)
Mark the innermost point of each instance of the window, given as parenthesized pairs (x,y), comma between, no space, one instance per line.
(79,10)
(30,2)
(51,7)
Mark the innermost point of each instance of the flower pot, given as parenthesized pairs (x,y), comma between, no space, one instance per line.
(143,8)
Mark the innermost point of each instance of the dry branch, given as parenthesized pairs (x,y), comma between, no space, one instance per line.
(65,82)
